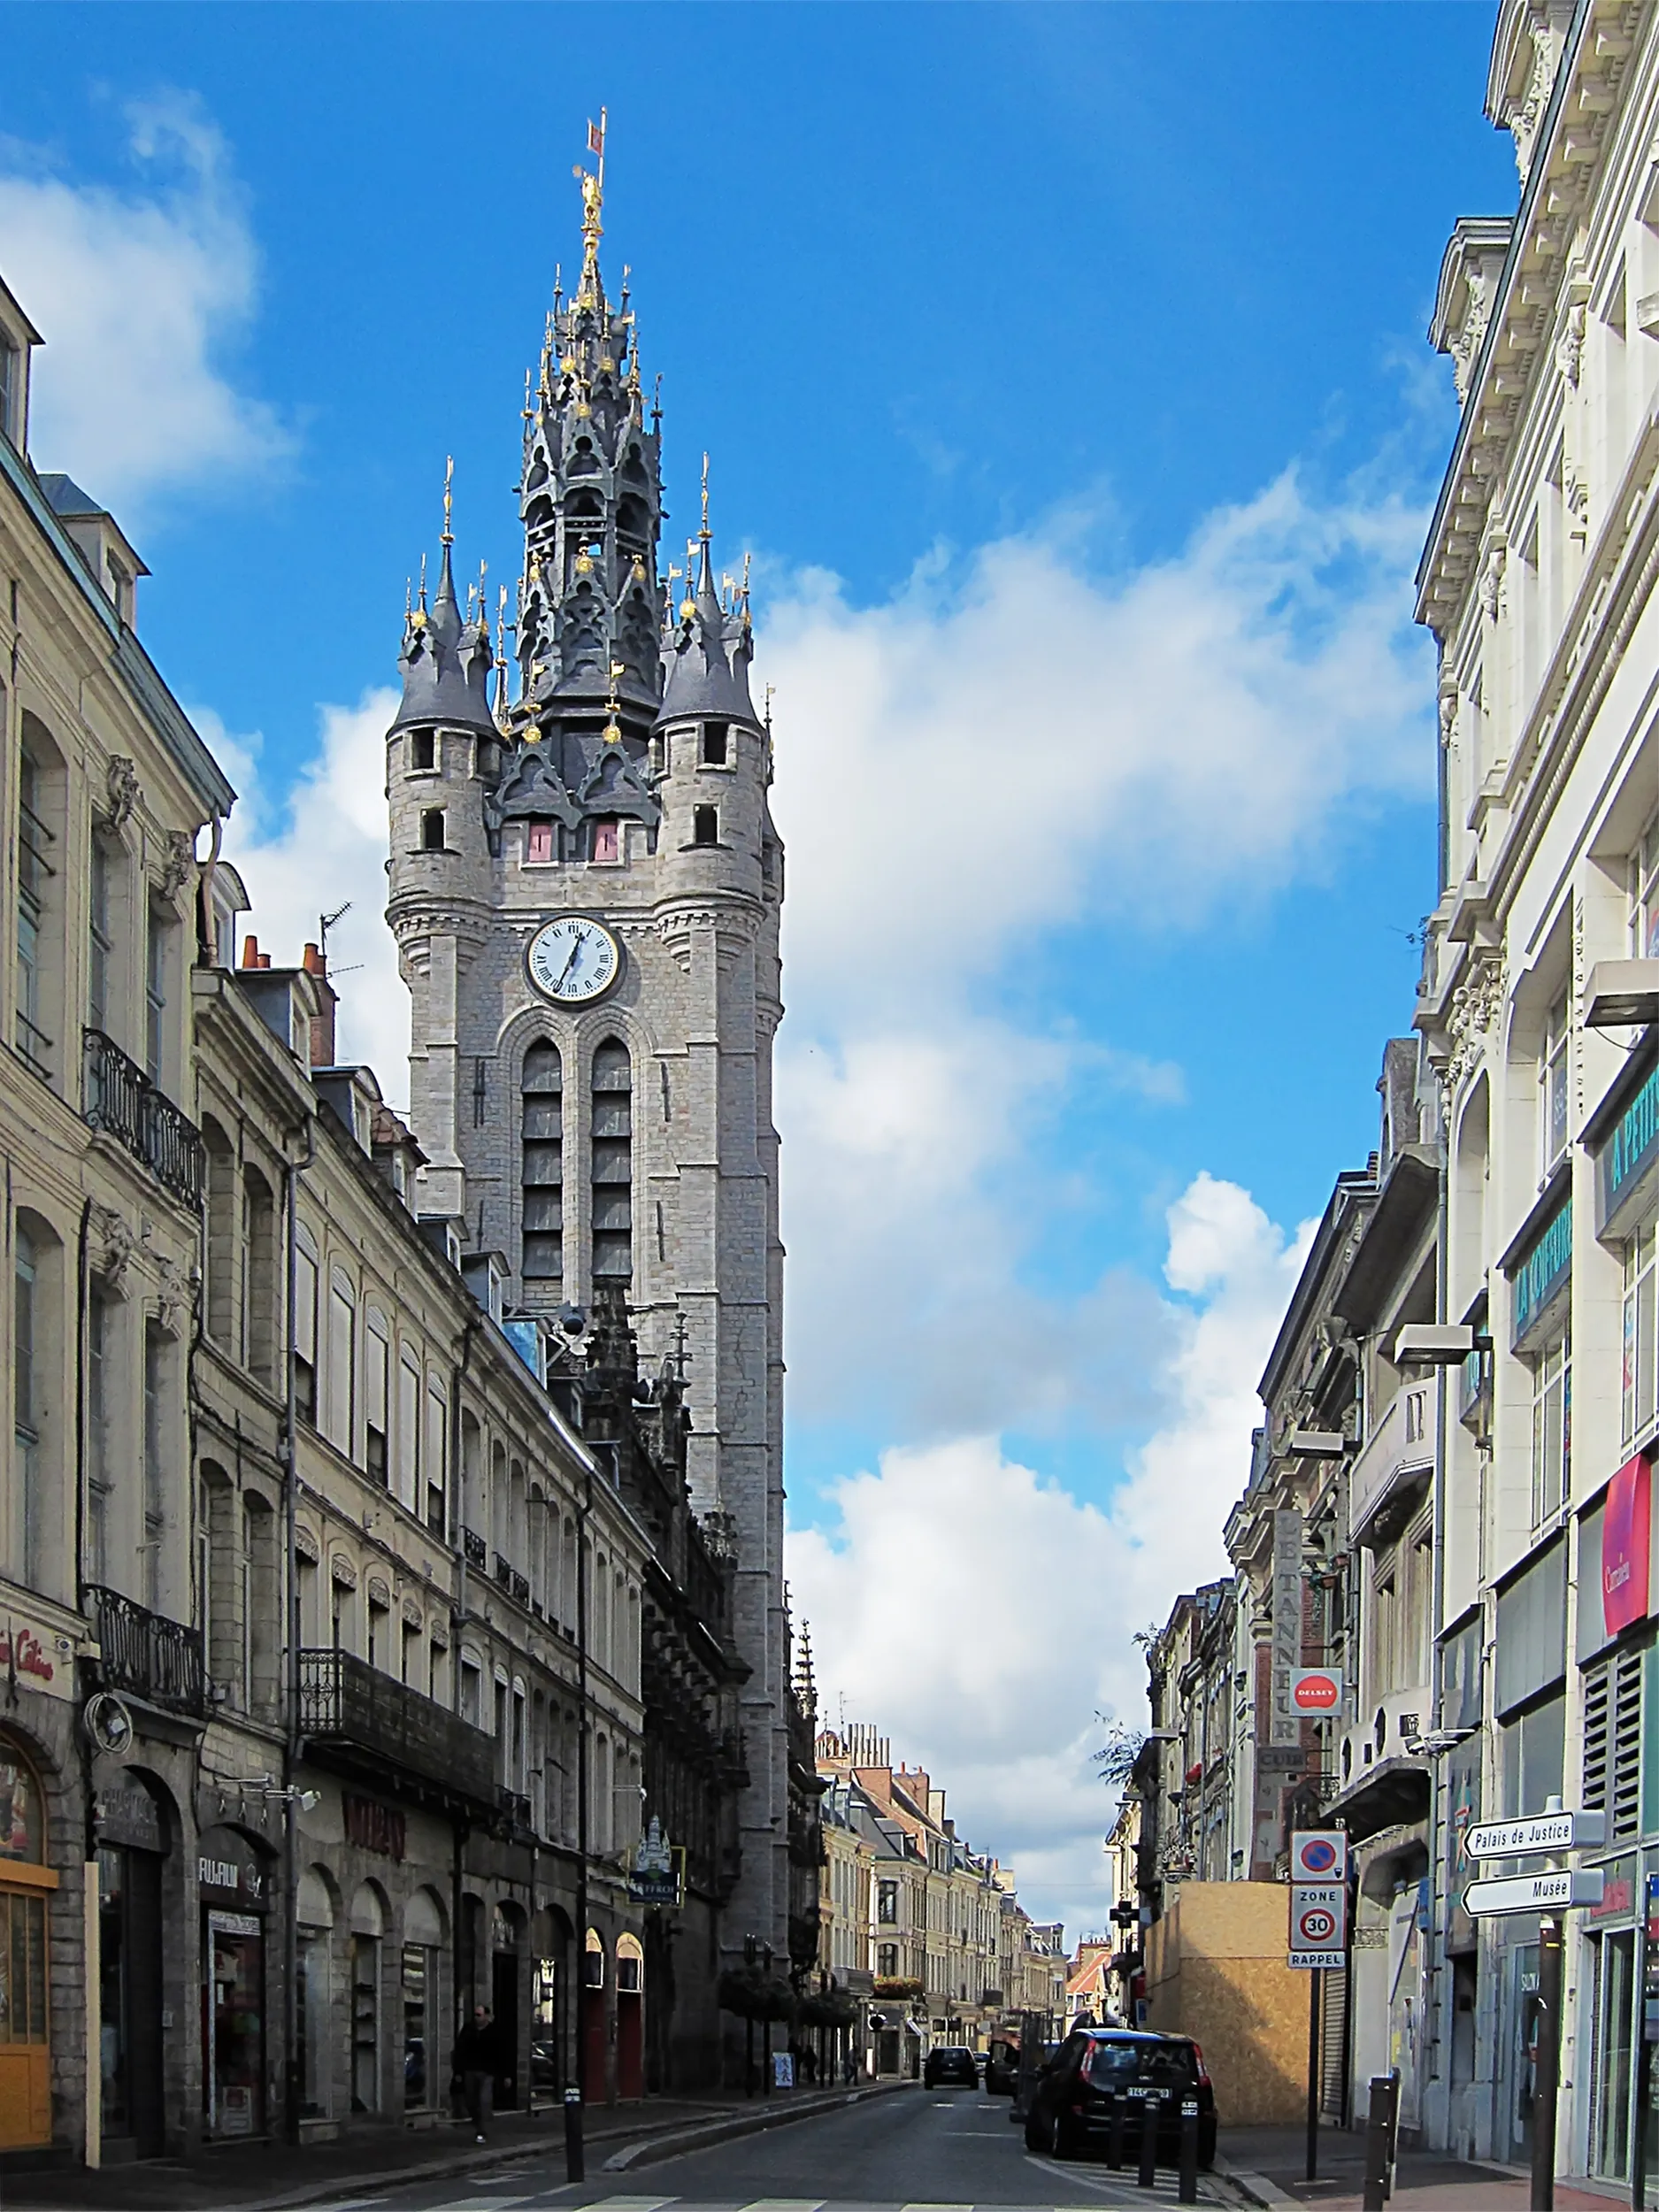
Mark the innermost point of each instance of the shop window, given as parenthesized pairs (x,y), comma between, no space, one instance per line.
(613,1164)
(541,1134)
(25,2028)
(1642,1357)
(1612,1741)
(1552,1429)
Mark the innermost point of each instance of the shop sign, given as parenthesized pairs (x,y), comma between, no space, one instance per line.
(1626,1541)
(1286,1644)
(658,1876)
(1316,1690)
(374,1827)
(228,1873)
(1628,1154)
(1543,1274)
(1618,1892)
(129,1814)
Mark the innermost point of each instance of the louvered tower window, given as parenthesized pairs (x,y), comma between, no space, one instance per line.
(544,1169)
(613,1164)
(1612,1741)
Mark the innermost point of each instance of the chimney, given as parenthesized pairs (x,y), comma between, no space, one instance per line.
(316,966)
(251,956)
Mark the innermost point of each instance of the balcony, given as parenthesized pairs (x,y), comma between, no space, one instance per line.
(516,1810)
(377,1725)
(508,1578)
(474,1549)
(118,1097)
(1397,1460)
(147,1656)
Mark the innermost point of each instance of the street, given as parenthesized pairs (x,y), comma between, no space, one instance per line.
(919,2149)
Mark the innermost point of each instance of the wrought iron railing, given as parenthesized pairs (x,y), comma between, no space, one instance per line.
(151,1658)
(120,1099)
(348,1704)
(503,1571)
(516,1810)
(475,1549)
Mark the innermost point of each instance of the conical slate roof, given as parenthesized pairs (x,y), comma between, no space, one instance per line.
(445,664)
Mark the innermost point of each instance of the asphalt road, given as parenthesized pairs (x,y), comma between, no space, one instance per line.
(919,2151)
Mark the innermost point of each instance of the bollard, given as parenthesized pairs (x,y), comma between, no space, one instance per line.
(575,2168)
(1187,2191)
(1115,2142)
(1378,2134)
(1147,2176)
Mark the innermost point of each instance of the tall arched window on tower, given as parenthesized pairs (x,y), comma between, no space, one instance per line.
(543,1170)
(613,1164)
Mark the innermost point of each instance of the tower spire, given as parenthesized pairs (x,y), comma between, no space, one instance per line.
(592,184)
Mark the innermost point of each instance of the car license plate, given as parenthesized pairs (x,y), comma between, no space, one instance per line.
(1140,2089)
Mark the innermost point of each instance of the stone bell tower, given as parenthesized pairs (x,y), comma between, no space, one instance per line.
(585,887)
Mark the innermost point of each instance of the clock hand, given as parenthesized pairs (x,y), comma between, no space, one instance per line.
(569,965)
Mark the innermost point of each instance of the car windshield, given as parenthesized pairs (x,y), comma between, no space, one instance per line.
(1168,2065)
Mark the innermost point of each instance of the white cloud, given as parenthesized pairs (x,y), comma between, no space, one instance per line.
(138,294)
(968,770)
(326,844)
(979,1615)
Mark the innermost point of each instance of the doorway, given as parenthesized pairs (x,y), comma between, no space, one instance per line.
(234,2000)
(1611,2066)
(129,1998)
(365,2023)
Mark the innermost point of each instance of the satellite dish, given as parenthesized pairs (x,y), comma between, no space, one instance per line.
(108,1723)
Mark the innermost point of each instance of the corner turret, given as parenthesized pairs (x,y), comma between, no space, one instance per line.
(445,661)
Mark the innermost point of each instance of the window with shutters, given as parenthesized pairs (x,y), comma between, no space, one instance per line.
(305,1327)
(613,1164)
(542,1133)
(338,1377)
(1612,1740)
(405,1488)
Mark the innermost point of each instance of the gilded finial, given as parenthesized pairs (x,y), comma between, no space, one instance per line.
(770,688)
(704,532)
(448,499)
(612,731)
(423,585)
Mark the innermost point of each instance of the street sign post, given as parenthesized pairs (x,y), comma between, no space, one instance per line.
(1550,1892)
(1318,1939)
(1540,1832)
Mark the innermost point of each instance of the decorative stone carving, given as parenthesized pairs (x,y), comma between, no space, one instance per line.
(1547,45)
(174,1295)
(121,793)
(180,862)
(1491,580)
(113,1246)
(1481,284)
(1570,346)
(1475,1004)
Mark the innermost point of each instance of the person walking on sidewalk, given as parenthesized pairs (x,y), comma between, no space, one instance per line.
(474,2060)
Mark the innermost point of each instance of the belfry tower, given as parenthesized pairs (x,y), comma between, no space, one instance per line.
(585,887)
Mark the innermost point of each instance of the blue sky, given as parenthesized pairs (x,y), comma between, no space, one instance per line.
(1064,368)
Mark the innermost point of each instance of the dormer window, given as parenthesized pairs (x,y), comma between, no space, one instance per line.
(11,386)
(714,744)
(538,841)
(422,750)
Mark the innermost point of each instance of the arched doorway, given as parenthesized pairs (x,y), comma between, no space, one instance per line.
(235,1896)
(134,1834)
(596,2085)
(630,2018)
(26,1884)
(424,2070)
(368,1933)
(506,1946)
(316,1911)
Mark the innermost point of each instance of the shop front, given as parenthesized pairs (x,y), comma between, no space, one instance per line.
(133,1833)
(234,1891)
(27,1884)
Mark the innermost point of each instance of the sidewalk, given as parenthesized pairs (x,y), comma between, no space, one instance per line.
(1267,2165)
(262,2175)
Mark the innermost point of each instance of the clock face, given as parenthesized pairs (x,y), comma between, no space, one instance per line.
(574,960)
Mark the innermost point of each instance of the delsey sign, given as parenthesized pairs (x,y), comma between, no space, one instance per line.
(1534,1892)
(1540,1832)
(1316,1690)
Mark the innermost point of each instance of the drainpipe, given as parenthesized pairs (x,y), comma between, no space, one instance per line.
(92,2148)
(293,1171)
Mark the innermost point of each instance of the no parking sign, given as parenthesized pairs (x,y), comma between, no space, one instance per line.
(1318,1897)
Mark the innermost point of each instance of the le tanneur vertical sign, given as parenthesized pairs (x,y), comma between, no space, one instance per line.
(1287,1645)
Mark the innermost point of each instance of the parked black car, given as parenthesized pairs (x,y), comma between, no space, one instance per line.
(951,2062)
(1098,2071)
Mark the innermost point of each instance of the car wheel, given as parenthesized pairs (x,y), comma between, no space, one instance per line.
(1034,2135)
(1061,2141)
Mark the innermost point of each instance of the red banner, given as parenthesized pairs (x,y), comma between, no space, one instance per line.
(1626,1539)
